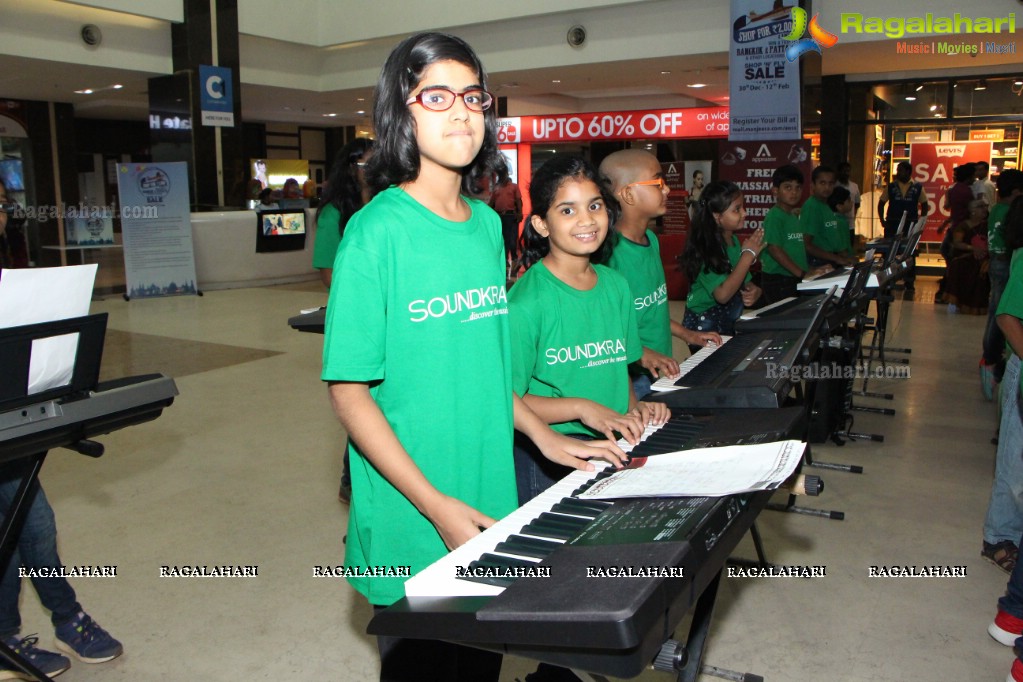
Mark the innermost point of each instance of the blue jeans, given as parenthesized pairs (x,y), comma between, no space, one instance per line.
(534,473)
(1005,510)
(641,385)
(37,548)
(994,340)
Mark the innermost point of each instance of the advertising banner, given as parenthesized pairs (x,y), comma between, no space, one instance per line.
(157,229)
(215,99)
(750,165)
(667,124)
(933,163)
(672,238)
(763,82)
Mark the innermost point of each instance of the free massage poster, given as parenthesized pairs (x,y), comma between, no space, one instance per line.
(157,226)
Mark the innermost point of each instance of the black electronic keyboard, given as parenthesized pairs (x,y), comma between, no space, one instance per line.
(733,375)
(309,322)
(60,422)
(38,419)
(604,625)
(792,313)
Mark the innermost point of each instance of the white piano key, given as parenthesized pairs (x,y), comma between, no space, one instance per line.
(686,366)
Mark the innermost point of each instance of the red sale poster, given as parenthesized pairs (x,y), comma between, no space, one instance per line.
(933,163)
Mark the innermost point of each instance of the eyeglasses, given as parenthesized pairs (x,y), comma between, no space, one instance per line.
(659,183)
(442,99)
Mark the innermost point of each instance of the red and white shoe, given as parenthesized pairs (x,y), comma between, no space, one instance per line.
(1006,629)
(1016,672)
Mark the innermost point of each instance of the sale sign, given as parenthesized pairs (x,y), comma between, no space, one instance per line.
(933,165)
(666,124)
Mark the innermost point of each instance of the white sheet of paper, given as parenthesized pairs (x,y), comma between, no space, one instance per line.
(710,472)
(32,295)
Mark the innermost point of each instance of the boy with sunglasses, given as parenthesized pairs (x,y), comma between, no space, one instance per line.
(637,182)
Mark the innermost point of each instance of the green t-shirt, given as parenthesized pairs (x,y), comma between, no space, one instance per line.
(784,230)
(701,293)
(996,229)
(571,343)
(640,265)
(830,231)
(418,310)
(328,236)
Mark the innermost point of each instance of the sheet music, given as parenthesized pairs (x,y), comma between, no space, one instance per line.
(704,472)
(33,295)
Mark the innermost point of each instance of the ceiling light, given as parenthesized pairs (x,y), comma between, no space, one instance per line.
(330,115)
(665,73)
(87,91)
(910,98)
(937,116)
(934,107)
(919,88)
(982,85)
(555,81)
(696,85)
(360,99)
(117,86)
(360,112)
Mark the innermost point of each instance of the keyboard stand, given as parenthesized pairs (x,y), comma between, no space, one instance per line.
(686,660)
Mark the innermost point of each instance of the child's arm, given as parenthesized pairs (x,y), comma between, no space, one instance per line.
(359,413)
(594,415)
(1012,327)
(751,248)
(783,259)
(658,364)
(694,338)
(560,448)
(648,413)
(817,252)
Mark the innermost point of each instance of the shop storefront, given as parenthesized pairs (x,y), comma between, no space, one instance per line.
(935,125)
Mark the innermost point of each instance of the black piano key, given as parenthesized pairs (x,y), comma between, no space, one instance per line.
(563,520)
(577,510)
(489,559)
(495,580)
(595,505)
(520,545)
(546,530)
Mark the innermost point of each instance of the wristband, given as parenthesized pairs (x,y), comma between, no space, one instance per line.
(750,252)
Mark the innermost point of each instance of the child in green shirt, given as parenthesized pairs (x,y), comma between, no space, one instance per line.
(573,326)
(716,264)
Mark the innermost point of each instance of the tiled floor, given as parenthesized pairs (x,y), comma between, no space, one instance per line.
(243,470)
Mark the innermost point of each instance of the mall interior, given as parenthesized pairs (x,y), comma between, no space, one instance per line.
(243,468)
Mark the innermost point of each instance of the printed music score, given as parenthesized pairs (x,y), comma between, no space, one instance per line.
(704,472)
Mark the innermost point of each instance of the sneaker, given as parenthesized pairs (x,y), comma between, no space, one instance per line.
(1003,554)
(1006,628)
(83,638)
(987,380)
(1016,672)
(48,662)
